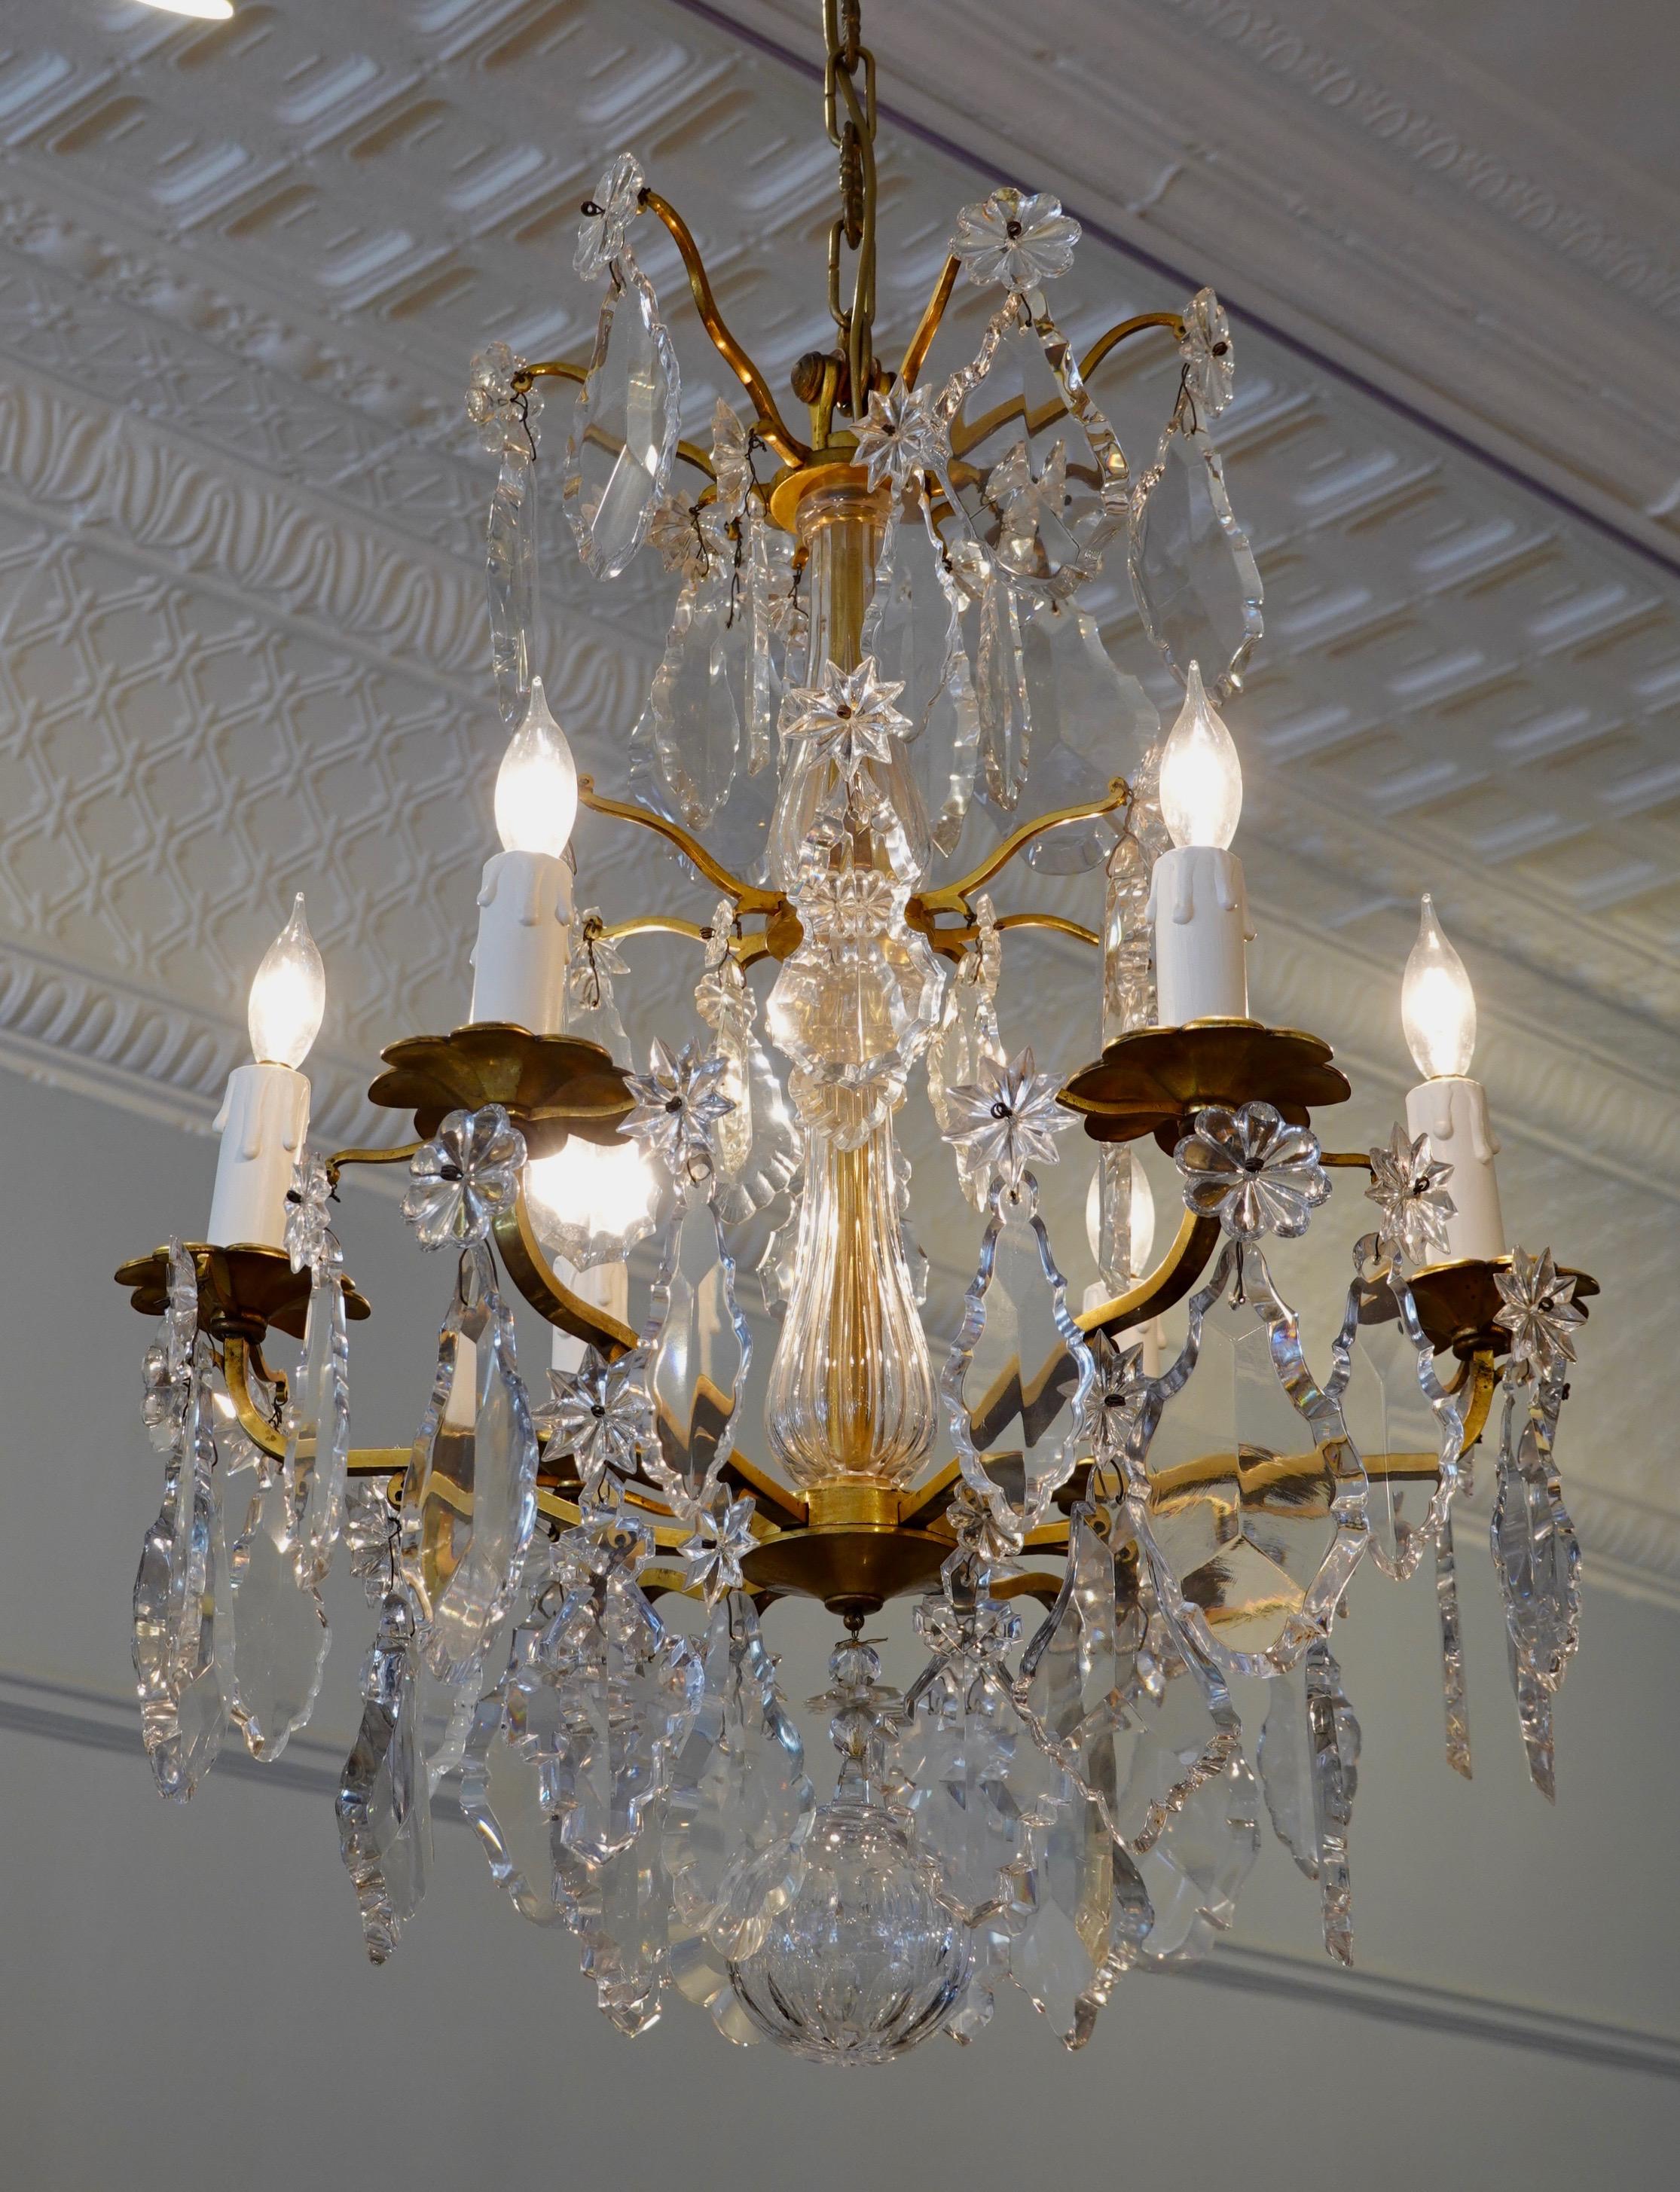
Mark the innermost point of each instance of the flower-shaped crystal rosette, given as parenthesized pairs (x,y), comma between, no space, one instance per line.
(678,1100)
(601,1414)
(903,437)
(674,533)
(731,461)
(464,1177)
(1408,1186)
(607,217)
(503,414)
(1538,1309)
(1450,1422)
(1210,365)
(309,1238)
(1008,1118)
(722,1540)
(1252,1171)
(1345,1520)
(1014,241)
(849,718)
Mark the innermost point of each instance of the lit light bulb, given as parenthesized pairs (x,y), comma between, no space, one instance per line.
(204,11)
(1201,777)
(537,784)
(288,996)
(1438,1005)
(1142,1217)
(594,1201)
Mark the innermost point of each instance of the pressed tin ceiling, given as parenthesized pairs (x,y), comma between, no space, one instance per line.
(242,271)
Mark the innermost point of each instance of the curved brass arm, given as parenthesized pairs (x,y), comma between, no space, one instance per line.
(953,898)
(929,325)
(748,898)
(236,1367)
(747,950)
(770,422)
(1104,343)
(1484,1381)
(564,369)
(340,1158)
(1171,1279)
(530,1271)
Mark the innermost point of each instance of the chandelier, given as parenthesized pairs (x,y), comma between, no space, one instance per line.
(882,657)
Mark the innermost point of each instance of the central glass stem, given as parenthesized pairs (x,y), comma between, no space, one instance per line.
(851,1396)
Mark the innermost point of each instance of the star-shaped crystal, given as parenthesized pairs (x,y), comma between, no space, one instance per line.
(678,1100)
(602,1415)
(1009,1117)
(1015,241)
(607,216)
(463,1176)
(1539,1312)
(849,717)
(1408,1186)
(903,437)
(1252,1171)
(502,413)
(309,1238)
(973,1626)
(722,1540)
(1210,365)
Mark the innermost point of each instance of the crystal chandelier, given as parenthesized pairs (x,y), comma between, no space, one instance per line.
(882,667)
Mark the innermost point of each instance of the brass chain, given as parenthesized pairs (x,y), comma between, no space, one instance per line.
(853,227)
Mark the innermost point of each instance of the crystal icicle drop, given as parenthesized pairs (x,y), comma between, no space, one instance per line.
(1454,1689)
(699,1347)
(692,712)
(280,1632)
(317,1427)
(967,1036)
(511,579)
(469,1495)
(385,1802)
(1309,1755)
(623,439)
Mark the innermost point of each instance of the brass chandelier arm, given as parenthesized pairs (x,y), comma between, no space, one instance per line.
(564,368)
(770,422)
(341,1158)
(746,950)
(954,942)
(1171,1279)
(953,898)
(748,898)
(527,1264)
(1115,336)
(1483,1379)
(237,1364)
(929,325)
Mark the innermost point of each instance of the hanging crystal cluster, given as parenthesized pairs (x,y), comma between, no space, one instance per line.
(1050,1805)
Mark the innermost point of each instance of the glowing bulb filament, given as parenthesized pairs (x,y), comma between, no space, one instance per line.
(288,996)
(1201,776)
(537,784)
(1438,1005)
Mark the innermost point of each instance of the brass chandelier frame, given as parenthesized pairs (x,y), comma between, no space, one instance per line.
(851,1545)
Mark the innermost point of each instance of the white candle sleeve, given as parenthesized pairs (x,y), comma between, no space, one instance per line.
(519,960)
(603,1286)
(1453,1111)
(263,1123)
(1200,912)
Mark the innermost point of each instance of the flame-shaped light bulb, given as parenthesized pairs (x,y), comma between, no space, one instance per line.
(1438,1005)
(205,11)
(1201,776)
(1142,1229)
(537,784)
(602,1194)
(288,996)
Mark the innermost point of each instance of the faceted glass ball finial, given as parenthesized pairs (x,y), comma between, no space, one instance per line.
(1201,776)
(288,996)
(537,784)
(863,1963)
(1438,1005)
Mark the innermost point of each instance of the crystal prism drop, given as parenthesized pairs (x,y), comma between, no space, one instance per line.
(1000,695)
(469,1496)
(1249,1496)
(1536,1553)
(1534,1715)
(692,717)
(968,1036)
(1454,1689)
(1019,1377)
(624,1921)
(1193,572)
(1091,722)
(183,1706)
(503,1798)
(280,1632)
(1080,1669)
(979,1780)
(623,440)
(511,579)
(1408,1431)
(914,629)
(1058,1958)
(699,1349)
(385,1803)
(739,1801)
(318,1428)
(1308,1759)
(446,1716)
